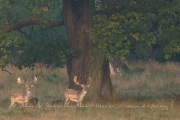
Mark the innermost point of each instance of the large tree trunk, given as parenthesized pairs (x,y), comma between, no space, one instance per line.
(78,23)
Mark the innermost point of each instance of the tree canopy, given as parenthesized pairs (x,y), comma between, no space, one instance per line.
(148,29)
(122,29)
(36,43)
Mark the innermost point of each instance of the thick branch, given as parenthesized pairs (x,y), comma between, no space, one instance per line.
(30,20)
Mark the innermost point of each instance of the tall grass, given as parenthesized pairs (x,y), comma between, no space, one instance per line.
(150,80)
(148,91)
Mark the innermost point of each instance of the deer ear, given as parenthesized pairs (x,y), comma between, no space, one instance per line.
(32,86)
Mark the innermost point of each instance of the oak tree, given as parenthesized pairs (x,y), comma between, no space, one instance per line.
(98,30)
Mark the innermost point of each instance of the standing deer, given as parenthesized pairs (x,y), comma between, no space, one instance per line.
(22,98)
(75,95)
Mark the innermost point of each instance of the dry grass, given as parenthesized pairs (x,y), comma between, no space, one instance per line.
(149,81)
(148,91)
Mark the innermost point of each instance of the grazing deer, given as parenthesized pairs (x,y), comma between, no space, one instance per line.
(75,95)
(33,102)
(22,98)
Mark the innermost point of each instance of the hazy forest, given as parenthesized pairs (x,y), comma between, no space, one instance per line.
(89,59)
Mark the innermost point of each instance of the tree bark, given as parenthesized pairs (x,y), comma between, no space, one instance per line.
(78,22)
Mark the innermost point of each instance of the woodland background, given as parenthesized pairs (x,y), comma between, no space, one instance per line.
(144,34)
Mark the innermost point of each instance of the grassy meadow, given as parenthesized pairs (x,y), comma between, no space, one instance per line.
(149,91)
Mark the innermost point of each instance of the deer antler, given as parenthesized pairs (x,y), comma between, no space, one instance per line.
(35,81)
(19,81)
(88,82)
(75,80)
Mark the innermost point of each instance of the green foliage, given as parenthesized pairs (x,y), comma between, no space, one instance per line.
(51,9)
(135,27)
(121,28)
(44,48)
(172,48)
(29,45)
(11,46)
(115,34)
(110,36)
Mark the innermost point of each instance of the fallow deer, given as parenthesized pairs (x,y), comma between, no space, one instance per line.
(75,95)
(22,98)
(33,102)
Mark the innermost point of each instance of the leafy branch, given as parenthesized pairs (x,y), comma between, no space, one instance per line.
(30,20)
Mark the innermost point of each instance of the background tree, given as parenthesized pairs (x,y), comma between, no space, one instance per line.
(140,29)
(40,46)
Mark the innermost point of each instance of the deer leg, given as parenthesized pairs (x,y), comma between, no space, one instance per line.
(66,102)
(12,103)
(77,103)
(80,104)
(26,104)
(20,105)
